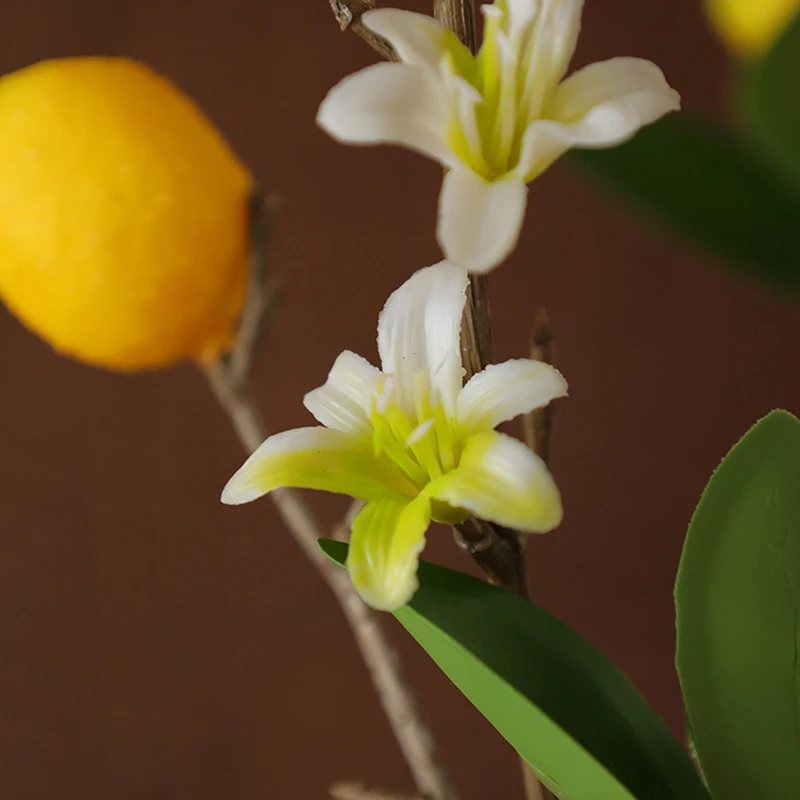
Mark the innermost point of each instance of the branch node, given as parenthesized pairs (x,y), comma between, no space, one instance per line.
(343,13)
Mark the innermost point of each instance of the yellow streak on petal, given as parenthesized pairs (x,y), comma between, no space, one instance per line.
(385,441)
(499,479)
(316,458)
(386,541)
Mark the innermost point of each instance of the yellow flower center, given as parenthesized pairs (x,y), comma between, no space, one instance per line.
(515,89)
(423,443)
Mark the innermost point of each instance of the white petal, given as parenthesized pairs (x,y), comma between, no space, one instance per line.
(418,39)
(548,52)
(505,118)
(635,87)
(501,480)
(464,136)
(521,13)
(419,333)
(316,458)
(504,391)
(480,221)
(385,544)
(396,103)
(601,105)
(344,402)
(564,27)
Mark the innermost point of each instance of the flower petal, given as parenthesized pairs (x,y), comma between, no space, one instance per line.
(345,400)
(387,538)
(464,136)
(548,52)
(480,221)
(563,24)
(520,16)
(601,105)
(418,39)
(316,458)
(397,103)
(635,88)
(504,391)
(419,333)
(501,480)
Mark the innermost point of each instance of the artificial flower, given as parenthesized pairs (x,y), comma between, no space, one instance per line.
(495,120)
(413,443)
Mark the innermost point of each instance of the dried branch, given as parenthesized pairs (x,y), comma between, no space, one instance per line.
(477,347)
(360,791)
(229,378)
(459,16)
(539,423)
(476,329)
(497,551)
(348,15)
(264,290)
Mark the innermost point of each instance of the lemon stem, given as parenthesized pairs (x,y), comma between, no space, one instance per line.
(230,380)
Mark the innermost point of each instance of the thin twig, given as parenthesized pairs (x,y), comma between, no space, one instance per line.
(229,378)
(476,329)
(348,15)
(264,290)
(539,423)
(477,348)
(360,791)
(459,16)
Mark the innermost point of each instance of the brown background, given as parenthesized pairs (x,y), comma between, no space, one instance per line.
(156,644)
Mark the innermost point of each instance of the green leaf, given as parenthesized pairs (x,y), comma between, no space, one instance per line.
(738,604)
(773,99)
(711,188)
(562,706)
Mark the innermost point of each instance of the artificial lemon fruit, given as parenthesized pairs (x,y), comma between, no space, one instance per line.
(123,215)
(749,27)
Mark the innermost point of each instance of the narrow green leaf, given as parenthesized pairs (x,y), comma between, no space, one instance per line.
(562,706)
(773,99)
(712,189)
(738,607)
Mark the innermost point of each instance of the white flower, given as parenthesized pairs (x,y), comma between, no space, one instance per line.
(411,442)
(496,120)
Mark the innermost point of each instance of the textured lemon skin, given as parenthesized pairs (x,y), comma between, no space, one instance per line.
(749,27)
(123,215)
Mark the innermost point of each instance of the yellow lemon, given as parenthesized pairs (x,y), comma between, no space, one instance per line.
(749,27)
(123,215)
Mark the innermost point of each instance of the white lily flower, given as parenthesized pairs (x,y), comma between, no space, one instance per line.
(496,120)
(412,442)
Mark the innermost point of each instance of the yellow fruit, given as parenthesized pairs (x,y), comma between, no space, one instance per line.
(749,27)
(123,215)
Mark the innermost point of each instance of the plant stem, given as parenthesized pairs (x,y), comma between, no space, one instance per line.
(230,379)
(497,551)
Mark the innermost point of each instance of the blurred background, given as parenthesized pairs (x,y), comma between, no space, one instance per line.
(157,644)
